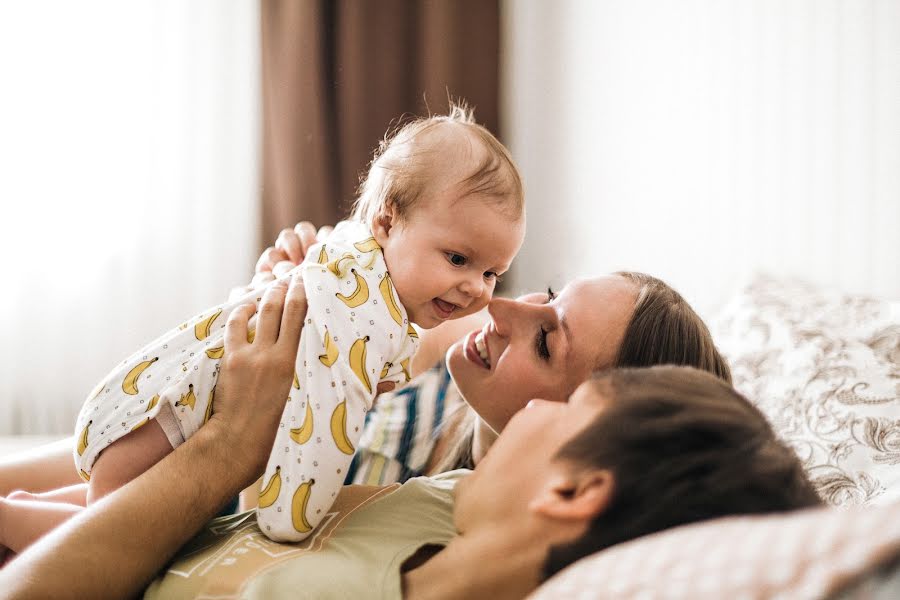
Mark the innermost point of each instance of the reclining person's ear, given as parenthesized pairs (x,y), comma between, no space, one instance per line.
(575,495)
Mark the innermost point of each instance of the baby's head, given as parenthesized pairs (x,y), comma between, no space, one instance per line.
(445,202)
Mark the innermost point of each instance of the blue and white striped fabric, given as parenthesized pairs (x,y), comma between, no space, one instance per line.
(401,431)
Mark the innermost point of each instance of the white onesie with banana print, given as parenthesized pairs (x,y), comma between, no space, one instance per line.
(356,334)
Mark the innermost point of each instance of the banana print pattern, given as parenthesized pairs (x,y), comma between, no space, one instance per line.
(352,340)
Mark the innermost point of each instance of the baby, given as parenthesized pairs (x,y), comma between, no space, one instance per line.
(439,217)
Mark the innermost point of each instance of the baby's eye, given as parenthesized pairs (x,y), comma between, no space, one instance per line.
(457,260)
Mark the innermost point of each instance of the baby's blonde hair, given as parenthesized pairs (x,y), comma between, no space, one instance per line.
(405,162)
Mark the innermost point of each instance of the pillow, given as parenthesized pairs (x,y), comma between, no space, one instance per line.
(803,554)
(824,367)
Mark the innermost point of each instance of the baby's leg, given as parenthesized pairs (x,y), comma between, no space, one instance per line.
(74,494)
(126,458)
(47,467)
(22,522)
(26,517)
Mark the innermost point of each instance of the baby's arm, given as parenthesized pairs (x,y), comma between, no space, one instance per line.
(350,343)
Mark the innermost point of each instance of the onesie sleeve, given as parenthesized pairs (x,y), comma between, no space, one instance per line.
(356,334)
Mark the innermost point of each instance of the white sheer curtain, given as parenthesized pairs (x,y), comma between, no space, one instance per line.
(128,153)
(700,140)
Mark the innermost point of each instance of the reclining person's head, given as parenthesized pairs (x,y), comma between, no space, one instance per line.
(681,446)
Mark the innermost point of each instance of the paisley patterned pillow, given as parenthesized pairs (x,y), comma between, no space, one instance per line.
(824,367)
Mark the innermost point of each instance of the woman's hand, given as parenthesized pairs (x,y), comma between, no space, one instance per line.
(289,251)
(255,378)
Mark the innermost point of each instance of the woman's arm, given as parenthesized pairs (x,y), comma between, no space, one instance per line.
(114,547)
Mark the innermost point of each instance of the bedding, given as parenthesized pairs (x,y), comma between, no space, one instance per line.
(824,367)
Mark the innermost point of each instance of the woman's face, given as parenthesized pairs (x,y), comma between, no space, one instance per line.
(538,347)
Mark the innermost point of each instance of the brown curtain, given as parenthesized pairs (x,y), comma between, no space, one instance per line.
(337,74)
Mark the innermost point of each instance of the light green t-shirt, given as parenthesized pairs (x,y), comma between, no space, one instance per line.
(356,552)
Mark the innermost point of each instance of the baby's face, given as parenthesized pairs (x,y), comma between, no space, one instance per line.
(444,257)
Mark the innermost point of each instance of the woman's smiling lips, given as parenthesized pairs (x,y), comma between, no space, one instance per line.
(471,350)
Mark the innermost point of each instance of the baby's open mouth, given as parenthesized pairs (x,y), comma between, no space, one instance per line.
(444,309)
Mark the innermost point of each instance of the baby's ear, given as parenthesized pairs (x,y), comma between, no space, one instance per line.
(384,222)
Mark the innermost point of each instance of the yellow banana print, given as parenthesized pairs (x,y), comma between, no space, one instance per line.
(298,506)
(323,256)
(129,384)
(153,402)
(367,245)
(296,381)
(387,292)
(188,399)
(269,494)
(83,440)
(204,327)
(339,265)
(358,361)
(217,352)
(405,365)
(411,332)
(84,475)
(384,371)
(302,434)
(359,295)
(212,396)
(331,351)
(251,335)
(339,428)
(141,424)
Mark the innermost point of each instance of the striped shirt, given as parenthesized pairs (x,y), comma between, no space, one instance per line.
(402,429)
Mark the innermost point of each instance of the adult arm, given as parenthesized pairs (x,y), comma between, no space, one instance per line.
(114,547)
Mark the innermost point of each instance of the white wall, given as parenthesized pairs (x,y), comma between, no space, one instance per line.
(129,187)
(701,139)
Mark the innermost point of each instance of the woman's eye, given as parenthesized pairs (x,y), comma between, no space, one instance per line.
(540,344)
(491,275)
(551,295)
(457,260)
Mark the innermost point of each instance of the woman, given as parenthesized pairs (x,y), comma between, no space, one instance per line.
(541,489)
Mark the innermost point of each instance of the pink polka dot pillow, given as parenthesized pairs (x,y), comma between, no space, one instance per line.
(806,554)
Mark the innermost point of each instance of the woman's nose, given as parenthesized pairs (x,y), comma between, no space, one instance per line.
(510,315)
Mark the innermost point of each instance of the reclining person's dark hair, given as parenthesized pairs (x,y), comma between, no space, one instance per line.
(683,446)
